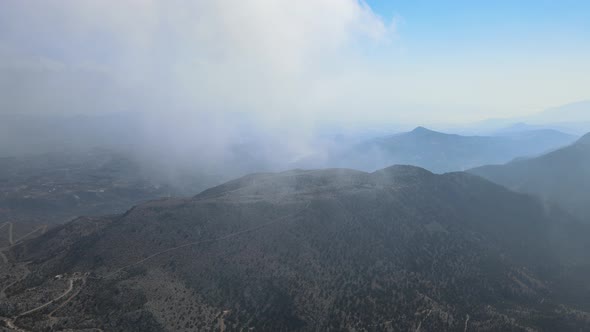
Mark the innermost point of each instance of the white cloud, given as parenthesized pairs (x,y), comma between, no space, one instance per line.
(201,69)
(191,65)
(258,56)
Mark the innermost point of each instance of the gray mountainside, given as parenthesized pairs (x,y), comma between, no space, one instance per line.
(562,176)
(400,249)
(440,152)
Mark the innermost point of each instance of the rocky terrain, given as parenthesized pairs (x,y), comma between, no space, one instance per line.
(400,249)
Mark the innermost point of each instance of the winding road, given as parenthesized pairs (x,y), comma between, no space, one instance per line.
(70,288)
(11,241)
(10,322)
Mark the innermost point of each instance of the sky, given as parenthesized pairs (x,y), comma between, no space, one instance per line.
(294,62)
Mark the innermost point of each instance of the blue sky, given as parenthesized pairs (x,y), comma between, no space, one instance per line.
(503,27)
(539,50)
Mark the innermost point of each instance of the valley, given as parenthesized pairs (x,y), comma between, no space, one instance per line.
(308,165)
(308,249)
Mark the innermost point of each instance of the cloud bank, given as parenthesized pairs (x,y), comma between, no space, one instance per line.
(256,56)
(202,76)
(207,80)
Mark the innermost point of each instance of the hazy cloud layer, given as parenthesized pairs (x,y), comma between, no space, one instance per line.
(279,60)
(183,56)
(208,80)
(203,76)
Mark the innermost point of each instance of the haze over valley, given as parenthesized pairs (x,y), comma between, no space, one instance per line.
(325,165)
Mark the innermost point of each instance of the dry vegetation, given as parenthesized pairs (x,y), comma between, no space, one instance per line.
(400,249)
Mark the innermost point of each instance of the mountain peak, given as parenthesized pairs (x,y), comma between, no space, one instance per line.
(404,170)
(584,139)
(422,130)
(402,174)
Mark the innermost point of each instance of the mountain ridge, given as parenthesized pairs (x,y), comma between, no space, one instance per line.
(441,152)
(561,176)
(315,249)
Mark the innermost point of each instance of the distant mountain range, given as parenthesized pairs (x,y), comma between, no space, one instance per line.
(573,112)
(400,249)
(562,176)
(440,152)
(573,118)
